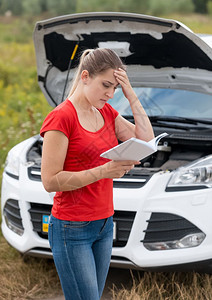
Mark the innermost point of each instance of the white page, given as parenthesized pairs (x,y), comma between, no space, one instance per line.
(154,142)
(133,149)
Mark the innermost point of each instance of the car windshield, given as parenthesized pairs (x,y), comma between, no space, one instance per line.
(166,102)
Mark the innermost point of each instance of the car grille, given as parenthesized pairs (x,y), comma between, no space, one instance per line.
(12,213)
(133,179)
(34,173)
(36,212)
(167,227)
(123,220)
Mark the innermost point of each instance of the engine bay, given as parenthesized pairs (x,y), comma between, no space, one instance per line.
(174,151)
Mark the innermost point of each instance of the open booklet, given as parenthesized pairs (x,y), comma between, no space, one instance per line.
(133,149)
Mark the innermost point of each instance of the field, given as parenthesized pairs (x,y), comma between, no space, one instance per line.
(22,110)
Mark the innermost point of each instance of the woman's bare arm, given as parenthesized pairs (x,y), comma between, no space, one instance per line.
(55,145)
(125,129)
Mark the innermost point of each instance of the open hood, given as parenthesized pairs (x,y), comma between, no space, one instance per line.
(159,52)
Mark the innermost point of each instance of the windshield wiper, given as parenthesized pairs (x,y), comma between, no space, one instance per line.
(172,119)
(193,121)
(201,121)
(158,120)
(170,122)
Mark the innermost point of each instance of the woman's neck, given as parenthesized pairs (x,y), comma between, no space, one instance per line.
(80,102)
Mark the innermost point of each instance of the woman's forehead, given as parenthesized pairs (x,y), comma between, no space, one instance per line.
(108,75)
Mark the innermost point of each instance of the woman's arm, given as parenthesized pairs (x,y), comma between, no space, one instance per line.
(125,129)
(55,145)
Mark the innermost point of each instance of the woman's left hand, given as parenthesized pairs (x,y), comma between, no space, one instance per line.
(123,80)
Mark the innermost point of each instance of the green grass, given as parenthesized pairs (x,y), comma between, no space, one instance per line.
(196,22)
(22,104)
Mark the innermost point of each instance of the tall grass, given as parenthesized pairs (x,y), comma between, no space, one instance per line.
(196,22)
(22,104)
(167,286)
(21,279)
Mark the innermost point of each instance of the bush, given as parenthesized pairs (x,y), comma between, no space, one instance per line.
(22,104)
(200,6)
(209,8)
(164,7)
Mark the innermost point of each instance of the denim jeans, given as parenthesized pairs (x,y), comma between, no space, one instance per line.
(81,252)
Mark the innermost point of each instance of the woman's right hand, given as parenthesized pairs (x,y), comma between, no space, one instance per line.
(117,169)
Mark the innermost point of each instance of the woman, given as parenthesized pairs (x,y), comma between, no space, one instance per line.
(75,134)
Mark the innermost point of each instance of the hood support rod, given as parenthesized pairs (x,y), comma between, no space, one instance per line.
(69,67)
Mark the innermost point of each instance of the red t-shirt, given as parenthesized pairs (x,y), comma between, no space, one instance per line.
(94,201)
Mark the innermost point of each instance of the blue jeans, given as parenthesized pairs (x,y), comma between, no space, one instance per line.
(81,252)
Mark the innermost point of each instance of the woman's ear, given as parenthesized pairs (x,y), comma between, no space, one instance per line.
(85,76)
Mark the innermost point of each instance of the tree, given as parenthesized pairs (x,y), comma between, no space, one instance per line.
(61,7)
(136,6)
(164,7)
(200,6)
(32,7)
(15,6)
(209,7)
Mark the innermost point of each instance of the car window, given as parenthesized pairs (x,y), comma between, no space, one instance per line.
(166,102)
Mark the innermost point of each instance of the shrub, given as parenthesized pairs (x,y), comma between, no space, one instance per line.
(22,104)
(164,7)
(209,8)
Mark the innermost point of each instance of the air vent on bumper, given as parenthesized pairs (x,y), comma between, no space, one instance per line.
(122,219)
(37,212)
(168,231)
(12,216)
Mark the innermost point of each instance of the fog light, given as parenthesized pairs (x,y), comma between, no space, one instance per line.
(188,241)
(13,227)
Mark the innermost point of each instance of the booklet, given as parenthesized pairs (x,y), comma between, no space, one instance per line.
(133,149)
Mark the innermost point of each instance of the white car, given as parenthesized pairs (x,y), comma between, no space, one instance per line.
(163,208)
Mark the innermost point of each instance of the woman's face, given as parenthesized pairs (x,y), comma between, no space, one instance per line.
(99,89)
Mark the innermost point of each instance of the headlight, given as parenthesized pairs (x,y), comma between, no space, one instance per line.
(12,165)
(194,176)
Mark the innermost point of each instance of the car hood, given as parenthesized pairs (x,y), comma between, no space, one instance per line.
(158,52)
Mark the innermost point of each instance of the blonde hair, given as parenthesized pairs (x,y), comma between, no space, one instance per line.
(96,61)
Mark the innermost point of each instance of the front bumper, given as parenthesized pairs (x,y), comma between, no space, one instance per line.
(133,208)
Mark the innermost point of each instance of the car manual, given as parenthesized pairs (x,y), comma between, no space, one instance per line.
(133,149)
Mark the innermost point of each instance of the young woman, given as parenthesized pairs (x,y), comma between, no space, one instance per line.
(75,134)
